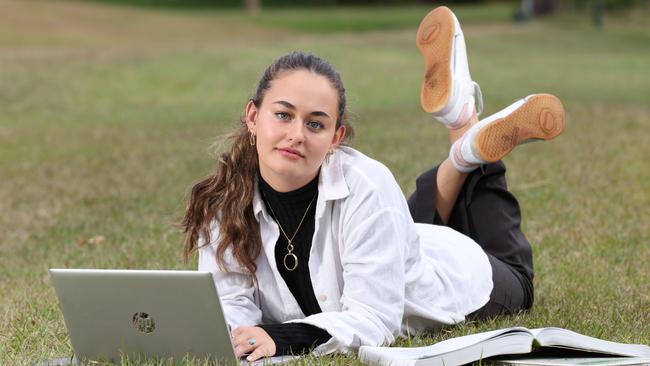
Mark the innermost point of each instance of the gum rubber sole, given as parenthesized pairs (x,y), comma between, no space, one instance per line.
(541,117)
(435,40)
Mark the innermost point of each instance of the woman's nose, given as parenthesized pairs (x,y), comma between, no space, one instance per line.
(296,132)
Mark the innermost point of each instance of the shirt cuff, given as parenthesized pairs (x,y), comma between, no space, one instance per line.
(295,338)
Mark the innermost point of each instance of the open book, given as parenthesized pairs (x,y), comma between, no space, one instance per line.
(270,360)
(517,340)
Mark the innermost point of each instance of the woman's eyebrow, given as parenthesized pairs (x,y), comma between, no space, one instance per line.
(292,107)
(285,103)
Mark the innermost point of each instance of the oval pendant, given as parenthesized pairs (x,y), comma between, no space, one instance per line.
(295,261)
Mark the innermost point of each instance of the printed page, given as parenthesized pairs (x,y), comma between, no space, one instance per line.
(564,338)
(445,346)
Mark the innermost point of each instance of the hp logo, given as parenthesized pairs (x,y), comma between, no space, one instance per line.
(143,322)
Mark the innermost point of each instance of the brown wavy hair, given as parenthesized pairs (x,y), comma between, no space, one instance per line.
(228,194)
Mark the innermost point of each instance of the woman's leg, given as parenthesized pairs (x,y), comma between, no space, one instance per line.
(468,191)
(449,179)
(486,212)
(477,203)
(449,182)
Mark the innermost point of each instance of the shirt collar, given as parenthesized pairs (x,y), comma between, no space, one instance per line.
(331,186)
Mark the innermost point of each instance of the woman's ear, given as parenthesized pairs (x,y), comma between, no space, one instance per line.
(250,115)
(339,135)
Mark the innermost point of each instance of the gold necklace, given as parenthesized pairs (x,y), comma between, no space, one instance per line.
(289,241)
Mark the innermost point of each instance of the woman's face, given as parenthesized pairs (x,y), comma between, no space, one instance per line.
(295,127)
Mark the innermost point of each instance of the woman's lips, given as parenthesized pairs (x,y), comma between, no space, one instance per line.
(290,153)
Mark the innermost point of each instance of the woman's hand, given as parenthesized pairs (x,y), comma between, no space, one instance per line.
(253,341)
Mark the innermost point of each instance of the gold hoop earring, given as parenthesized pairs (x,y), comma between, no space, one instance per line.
(251,138)
(327,156)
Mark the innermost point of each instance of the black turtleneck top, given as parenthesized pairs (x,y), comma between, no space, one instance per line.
(288,209)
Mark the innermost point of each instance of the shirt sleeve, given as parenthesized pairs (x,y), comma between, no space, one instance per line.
(295,338)
(236,288)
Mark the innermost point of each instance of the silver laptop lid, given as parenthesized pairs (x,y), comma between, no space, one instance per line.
(142,313)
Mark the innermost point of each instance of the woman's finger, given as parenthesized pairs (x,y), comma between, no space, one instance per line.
(259,352)
(244,342)
(241,350)
(253,340)
(244,349)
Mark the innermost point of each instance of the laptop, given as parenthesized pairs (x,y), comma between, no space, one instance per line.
(143,314)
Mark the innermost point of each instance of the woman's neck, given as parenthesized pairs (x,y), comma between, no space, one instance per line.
(289,188)
(287,185)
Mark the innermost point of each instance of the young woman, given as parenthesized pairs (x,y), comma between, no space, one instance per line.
(312,244)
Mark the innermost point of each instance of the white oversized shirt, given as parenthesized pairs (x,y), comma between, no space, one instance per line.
(376,274)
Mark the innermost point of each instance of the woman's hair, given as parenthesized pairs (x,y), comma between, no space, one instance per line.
(228,194)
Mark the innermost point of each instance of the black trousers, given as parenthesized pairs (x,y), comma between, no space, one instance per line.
(486,212)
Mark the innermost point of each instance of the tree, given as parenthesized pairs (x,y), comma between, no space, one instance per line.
(541,7)
(252,6)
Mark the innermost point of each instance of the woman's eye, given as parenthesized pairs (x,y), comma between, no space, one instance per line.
(315,125)
(282,115)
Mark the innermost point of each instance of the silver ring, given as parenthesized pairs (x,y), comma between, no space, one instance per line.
(252,341)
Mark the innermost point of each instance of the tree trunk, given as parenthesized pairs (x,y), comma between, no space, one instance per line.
(542,7)
(253,6)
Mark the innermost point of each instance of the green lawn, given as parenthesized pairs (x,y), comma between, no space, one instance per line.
(107,115)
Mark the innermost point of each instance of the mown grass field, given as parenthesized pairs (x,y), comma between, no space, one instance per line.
(107,115)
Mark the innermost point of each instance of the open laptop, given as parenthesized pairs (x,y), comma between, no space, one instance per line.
(140,314)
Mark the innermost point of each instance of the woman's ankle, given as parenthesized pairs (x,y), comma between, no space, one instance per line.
(454,135)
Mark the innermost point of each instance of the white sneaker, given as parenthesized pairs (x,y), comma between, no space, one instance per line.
(536,117)
(447,89)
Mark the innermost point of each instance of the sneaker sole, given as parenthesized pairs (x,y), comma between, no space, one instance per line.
(542,117)
(435,40)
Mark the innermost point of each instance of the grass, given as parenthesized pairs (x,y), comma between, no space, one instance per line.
(107,113)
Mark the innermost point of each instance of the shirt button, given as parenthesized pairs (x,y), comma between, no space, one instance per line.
(322,297)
